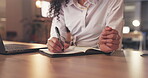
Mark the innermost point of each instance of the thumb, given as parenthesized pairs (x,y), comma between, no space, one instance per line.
(66,45)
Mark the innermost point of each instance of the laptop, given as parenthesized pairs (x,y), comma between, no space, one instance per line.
(17,48)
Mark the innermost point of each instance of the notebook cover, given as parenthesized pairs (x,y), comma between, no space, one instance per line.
(88,52)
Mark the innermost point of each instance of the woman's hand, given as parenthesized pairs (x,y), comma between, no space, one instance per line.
(109,40)
(55,46)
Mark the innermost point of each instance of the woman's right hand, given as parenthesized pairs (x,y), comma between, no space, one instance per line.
(55,46)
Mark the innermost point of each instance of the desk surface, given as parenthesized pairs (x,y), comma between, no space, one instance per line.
(35,65)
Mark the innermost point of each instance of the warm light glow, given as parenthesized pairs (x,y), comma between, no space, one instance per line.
(40,67)
(135,62)
(136,23)
(38,4)
(3,19)
(126,30)
(45,8)
(136,32)
(130,8)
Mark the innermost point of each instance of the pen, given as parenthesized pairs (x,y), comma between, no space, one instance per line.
(58,34)
(144,55)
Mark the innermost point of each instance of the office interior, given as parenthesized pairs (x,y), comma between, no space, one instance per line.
(27,21)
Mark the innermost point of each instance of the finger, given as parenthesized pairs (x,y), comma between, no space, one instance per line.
(54,47)
(103,41)
(104,33)
(105,48)
(112,36)
(51,49)
(114,31)
(112,46)
(116,42)
(57,42)
(111,41)
(66,45)
(107,28)
(119,37)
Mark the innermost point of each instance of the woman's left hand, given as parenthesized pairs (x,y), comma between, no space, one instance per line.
(109,40)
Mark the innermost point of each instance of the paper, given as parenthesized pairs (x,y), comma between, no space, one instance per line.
(70,50)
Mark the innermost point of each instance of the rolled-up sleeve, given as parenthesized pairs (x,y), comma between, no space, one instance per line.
(60,24)
(115,15)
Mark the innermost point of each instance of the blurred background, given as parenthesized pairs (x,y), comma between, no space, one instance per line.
(26,21)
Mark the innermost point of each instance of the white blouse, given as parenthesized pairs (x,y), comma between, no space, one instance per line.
(87,22)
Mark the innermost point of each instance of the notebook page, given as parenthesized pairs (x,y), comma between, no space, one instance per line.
(70,50)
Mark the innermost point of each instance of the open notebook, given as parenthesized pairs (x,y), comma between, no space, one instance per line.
(73,51)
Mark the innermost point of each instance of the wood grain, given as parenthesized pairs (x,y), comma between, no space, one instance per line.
(35,65)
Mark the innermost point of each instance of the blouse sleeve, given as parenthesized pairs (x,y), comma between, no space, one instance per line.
(60,24)
(115,17)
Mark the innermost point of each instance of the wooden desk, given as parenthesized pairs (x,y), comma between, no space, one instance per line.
(35,65)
